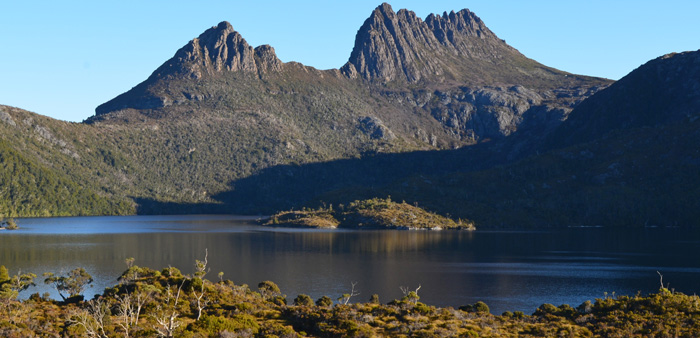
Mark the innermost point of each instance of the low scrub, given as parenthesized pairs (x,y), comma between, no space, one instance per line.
(150,303)
(375,213)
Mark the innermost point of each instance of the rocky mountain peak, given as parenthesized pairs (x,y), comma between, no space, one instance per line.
(399,46)
(219,49)
(464,23)
(387,47)
(216,51)
(454,49)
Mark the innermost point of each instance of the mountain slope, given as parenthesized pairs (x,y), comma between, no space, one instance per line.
(664,90)
(52,168)
(627,156)
(220,114)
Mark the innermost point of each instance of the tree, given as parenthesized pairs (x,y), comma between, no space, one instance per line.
(92,318)
(4,275)
(74,283)
(166,312)
(10,287)
(10,224)
(200,267)
(200,271)
(345,298)
(410,295)
(129,306)
(324,301)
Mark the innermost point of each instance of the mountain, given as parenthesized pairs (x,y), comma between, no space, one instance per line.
(663,91)
(453,82)
(626,156)
(455,48)
(437,111)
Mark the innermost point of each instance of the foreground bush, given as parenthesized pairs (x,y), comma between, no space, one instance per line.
(151,303)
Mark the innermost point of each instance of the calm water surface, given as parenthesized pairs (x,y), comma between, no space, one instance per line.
(509,270)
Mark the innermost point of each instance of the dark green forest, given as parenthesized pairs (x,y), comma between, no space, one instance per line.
(31,189)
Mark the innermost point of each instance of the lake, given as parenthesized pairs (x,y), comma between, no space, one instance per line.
(509,270)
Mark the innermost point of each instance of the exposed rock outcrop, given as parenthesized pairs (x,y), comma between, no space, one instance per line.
(266,59)
(389,46)
(218,50)
(455,46)
(375,128)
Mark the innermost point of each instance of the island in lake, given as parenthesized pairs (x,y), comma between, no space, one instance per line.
(376,213)
(8,224)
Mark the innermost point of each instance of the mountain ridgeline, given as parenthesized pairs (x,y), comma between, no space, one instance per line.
(439,111)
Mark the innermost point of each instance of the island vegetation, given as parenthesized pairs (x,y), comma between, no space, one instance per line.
(375,213)
(167,303)
(8,224)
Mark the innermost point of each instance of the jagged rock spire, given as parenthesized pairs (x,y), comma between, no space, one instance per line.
(401,47)
(219,49)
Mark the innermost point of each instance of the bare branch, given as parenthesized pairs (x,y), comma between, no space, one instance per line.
(345,298)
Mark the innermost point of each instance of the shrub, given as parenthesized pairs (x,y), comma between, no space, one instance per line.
(481,307)
(212,325)
(268,289)
(478,307)
(303,300)
(324,301)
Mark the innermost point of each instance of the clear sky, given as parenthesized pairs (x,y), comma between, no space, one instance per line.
(63,58)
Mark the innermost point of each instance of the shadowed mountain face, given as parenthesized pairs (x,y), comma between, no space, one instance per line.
(640,166)
(662,91)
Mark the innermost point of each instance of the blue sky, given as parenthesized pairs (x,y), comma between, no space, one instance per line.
(62,59)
